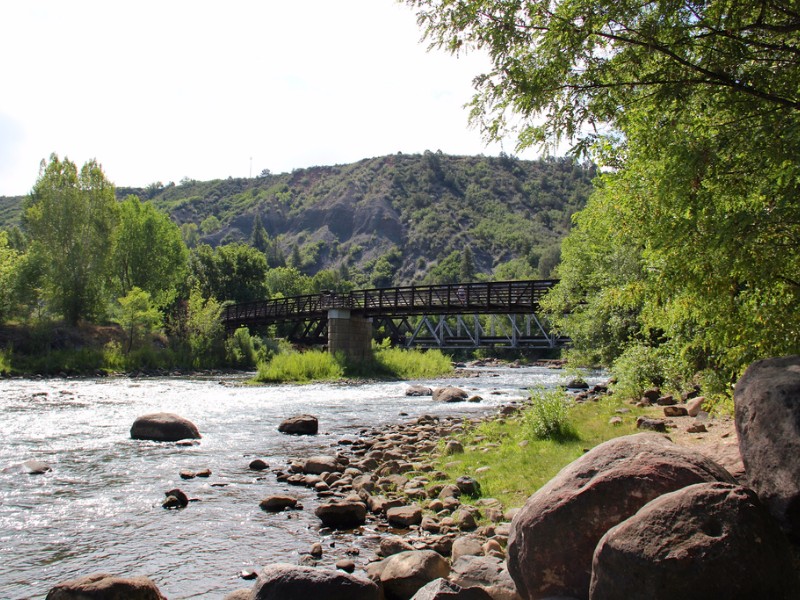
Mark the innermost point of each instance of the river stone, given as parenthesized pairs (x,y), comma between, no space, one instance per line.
(102,586)
(708,540)
(345,514)
(586,498)
(300,425)
(258,465)
(242,594)
(449,394)
(277,503)
(404,516)
(467,545)
(290,582)
(442,589)
(403,574)
(767,413)
(393,545)
(419,390)
(316,465)
(163,427)
(486,572)
(35,467)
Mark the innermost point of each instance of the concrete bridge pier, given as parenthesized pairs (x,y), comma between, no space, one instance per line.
(349,334)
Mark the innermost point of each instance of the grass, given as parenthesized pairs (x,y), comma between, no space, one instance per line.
(387,363)
(413,364)
(301,367)
(520,461)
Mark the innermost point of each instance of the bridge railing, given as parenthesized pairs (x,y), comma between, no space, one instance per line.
(489,296)
(494,296)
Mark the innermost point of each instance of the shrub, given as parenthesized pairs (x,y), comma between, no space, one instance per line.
(240,349)
(548,416)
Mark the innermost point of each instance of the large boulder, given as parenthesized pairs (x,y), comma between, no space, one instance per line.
(449,394)
(102,586)
(403,574)
(163,427)
(767,402)
(442,589)
(290,582)
(345,514)
(708,540)
(554,535)
(300,425)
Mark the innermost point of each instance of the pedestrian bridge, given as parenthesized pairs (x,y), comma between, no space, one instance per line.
(452,316)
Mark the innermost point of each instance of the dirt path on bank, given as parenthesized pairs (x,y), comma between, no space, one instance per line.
(719,442)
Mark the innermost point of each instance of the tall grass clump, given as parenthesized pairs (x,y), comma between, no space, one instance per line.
(5,362)
(548,416)
(412,364)
(301,367)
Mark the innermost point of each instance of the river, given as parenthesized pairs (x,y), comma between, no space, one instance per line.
(99,509)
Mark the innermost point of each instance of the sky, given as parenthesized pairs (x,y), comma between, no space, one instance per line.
(161,91)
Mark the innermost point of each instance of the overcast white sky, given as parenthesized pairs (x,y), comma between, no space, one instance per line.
(158,91)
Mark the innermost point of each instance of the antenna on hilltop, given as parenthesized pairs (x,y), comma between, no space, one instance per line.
(251,167)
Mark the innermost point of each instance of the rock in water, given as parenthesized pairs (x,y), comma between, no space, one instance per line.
(102,586)
(708,540)
(554,535)
(449,394)
(290,582)
(163,427)
(300,425)
(767,412)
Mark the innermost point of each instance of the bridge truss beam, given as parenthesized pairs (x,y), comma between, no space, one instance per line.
(516,331)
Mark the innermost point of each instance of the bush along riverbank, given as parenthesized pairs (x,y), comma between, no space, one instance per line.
(611,497)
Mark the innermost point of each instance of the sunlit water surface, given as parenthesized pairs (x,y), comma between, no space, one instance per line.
(100,507)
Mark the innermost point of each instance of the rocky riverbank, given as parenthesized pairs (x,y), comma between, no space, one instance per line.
(585,529)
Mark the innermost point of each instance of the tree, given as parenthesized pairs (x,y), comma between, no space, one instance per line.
(259,238)
(148,252)
(70,217)
(690,246)
(466,268)
(287,281)
(232,272)
(137,316)
(9,260)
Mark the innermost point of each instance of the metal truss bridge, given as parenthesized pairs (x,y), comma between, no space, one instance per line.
(462,315)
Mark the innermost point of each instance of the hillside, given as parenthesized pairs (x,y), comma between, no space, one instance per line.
(393,219)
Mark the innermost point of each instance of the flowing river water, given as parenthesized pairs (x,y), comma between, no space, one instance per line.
(99,509)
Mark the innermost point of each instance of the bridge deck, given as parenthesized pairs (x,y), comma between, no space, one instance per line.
(496,297)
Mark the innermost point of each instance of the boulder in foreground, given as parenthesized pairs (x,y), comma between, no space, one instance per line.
(767,412)
(164,427)
(102,586)
(290,582)
(708,540)
(300,425)
(553,537)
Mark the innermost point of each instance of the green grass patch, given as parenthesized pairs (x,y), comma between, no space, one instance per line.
(301,367)
(413,364)
(5,362)
(520,461)
(387,363)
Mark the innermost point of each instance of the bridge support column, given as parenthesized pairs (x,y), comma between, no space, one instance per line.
(350,335)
